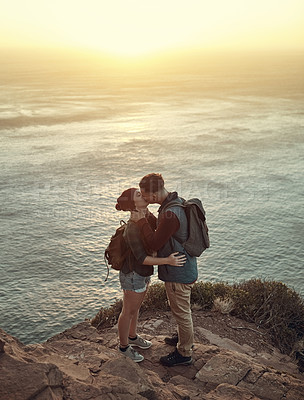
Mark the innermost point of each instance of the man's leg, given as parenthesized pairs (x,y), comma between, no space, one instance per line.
(179,299)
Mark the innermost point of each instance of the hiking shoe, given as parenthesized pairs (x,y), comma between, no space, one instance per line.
(140,342)
(131,353)
(175,358)
(172,341)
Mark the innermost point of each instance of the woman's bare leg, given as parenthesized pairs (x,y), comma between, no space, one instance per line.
(127,321)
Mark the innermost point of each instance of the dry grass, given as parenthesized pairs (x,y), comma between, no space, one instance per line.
(224,306)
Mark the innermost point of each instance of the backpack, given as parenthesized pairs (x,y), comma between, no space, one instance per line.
(198,237)
(117,250)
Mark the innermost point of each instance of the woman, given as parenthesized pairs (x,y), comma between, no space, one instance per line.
(135,274)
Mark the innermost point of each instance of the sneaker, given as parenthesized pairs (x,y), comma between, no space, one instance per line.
(140,342)
(172,341)
(131,353)
(175,358)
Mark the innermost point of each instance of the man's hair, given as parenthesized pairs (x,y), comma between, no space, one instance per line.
(152,183)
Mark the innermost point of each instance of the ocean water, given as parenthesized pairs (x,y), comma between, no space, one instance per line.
(71,141)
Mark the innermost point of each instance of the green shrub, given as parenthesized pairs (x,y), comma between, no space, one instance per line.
(108,316)
(274,307)
(203,294)
(270,305)
(156,298)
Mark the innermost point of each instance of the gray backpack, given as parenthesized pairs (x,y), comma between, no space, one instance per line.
(198,237)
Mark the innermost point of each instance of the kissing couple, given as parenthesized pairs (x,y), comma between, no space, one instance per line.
(156,241)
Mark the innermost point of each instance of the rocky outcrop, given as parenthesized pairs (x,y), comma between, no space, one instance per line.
(83,364)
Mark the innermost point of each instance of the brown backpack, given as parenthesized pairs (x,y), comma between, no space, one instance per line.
(117,250)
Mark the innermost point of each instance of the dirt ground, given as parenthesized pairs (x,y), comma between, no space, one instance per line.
(223,325)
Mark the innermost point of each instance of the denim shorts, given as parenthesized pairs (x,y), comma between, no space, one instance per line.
(133,281)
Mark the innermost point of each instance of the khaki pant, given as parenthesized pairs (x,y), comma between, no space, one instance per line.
(179,299)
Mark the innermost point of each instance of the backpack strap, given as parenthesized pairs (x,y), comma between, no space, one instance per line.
(174,203)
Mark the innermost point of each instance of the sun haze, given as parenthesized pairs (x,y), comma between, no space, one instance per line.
(140,27)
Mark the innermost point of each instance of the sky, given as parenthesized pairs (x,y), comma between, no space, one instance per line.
(141,27)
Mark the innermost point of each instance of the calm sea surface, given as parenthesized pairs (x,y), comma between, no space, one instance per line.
(72,141)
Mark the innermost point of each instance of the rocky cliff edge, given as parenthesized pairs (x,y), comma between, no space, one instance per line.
(232,360)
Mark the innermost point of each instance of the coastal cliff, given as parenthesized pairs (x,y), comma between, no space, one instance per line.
(232,359)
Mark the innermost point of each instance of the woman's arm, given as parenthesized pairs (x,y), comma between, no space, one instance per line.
(134,240)
(172,259)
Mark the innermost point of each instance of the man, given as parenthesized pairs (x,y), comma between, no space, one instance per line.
(172,230)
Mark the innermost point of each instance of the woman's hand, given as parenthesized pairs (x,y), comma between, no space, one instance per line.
(175,260)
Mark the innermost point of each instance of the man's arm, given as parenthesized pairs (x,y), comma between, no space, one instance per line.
(168,225)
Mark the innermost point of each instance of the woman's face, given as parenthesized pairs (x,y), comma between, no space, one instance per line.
(139,201)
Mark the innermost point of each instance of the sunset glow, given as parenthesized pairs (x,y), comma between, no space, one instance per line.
(139,27)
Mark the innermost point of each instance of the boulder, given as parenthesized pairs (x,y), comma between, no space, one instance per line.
(21,380)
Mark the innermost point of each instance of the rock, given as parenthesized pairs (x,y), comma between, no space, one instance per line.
(82,363)
(273,385)
(193,389)
(225,343)
(21,380)
(125,369)
(2,346)
(225,391)
(223,369)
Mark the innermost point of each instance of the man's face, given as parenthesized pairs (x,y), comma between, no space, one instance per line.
(148,196)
